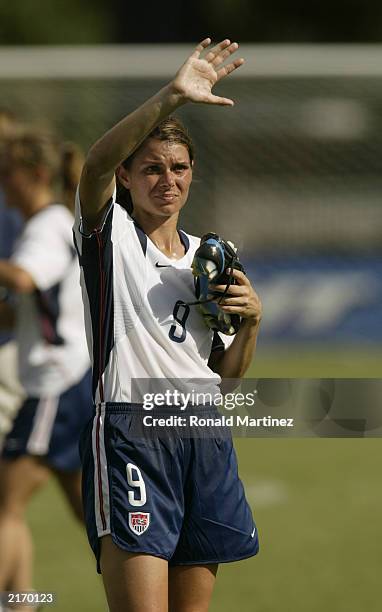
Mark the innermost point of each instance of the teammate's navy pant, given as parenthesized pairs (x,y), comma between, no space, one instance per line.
(49,427)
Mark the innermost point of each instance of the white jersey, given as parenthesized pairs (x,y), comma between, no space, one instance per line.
(137,324)
(50,328)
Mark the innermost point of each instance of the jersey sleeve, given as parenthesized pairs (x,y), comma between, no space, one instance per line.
(45,249)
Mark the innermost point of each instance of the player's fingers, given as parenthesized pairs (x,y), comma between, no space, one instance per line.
(214,52)
(241,301)
(232,309)
(218,100)
(230,68)
(238,275)
(233,289)
(199,48)
(220,57)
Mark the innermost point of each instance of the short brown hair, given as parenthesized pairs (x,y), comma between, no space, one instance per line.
(169,130)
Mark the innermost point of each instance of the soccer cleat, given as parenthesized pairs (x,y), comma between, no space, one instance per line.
(209,266)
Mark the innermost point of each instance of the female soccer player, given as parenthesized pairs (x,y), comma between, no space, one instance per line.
(10,223)
(43,273)
(161,512)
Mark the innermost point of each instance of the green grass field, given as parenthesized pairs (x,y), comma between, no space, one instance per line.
(297,361)
(317,504)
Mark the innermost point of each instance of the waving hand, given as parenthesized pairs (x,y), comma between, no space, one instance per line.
(195,79)
(193,82)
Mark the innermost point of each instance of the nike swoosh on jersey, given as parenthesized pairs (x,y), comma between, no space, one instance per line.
(253,532)
(158,265)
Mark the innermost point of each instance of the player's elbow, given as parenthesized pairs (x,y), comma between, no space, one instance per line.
(22,281)
(96,177)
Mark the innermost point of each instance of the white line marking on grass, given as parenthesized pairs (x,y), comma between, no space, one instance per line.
(267,493)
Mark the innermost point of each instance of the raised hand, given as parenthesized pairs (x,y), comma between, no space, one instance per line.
(196,78)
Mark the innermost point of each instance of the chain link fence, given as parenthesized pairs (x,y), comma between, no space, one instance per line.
(295,166)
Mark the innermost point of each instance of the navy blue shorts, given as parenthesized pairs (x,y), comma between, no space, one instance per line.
(50,427)
(175,497)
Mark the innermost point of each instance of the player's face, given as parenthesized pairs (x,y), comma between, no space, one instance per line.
(159,177)
(16,183)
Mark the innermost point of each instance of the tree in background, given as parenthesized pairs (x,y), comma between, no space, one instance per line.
(249,20)
(124,21)
(40,22)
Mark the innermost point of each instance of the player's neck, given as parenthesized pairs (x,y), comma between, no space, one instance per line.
(164,234)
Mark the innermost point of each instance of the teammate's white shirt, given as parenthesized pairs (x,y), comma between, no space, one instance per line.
(50,328)
(130,292)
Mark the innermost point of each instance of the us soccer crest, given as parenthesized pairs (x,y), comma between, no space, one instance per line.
(139,522)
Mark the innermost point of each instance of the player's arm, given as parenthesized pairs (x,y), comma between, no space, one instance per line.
(43,253)
(15,278)
(243,300)
(192,83)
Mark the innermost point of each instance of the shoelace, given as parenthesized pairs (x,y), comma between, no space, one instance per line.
(231,265)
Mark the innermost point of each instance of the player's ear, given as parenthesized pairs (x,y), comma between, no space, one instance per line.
(123,176)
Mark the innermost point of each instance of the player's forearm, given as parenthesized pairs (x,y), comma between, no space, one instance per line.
(15,278)
(122,140)
(237,358)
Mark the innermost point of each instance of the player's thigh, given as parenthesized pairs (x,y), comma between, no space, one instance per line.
(133,582)
(19,479)
(190,587)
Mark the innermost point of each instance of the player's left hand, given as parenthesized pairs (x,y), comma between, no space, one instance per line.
(240,299)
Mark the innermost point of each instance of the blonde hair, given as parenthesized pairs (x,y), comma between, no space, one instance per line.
(32,149)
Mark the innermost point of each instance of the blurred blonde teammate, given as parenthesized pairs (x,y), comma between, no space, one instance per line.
(11,393)
(43,273)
